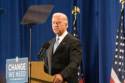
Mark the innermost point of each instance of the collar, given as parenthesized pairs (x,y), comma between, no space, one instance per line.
(62,36)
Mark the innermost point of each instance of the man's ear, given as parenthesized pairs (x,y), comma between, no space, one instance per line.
(66,25)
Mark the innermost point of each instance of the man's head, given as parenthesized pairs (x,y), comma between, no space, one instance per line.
(59,23)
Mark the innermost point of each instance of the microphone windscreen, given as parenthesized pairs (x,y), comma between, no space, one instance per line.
(46,45)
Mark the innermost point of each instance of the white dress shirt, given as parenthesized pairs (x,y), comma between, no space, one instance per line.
(59,40)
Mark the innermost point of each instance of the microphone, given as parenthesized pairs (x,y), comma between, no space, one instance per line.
(43,49)
(1,11)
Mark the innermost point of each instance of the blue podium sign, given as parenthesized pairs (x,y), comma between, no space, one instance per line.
(17,70)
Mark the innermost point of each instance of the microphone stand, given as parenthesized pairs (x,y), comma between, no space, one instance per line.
(30,50)
(36,14)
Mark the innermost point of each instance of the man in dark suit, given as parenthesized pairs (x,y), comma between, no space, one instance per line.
(64,53)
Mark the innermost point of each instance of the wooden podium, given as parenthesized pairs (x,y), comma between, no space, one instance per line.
(37,73)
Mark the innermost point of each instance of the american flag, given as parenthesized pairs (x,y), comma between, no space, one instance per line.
(118,67)
(75,33)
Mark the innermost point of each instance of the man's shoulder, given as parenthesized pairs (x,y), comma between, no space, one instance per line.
(71,37)
(52,40)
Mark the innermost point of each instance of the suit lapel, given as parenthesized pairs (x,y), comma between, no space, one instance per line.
(62,43)
(49,55)
(51,46)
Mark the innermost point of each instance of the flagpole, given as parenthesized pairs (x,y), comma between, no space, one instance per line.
(75,12)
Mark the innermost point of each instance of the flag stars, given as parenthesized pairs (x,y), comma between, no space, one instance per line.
(120,57)
(121,17)
(119,69)
(121,36)
(116,49)
(119,63)
(123,77)
(122,44)
(116,43)
(121,29)
(116,62)
(122,64)
(117,36)
(121,50)
(116,56)
(121,25)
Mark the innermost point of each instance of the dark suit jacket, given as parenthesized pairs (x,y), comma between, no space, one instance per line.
(66,58)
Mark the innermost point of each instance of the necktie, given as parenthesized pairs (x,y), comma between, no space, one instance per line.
(56,44)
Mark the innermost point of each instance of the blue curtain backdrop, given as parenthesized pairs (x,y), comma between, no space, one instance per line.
(107,26)
(97,25)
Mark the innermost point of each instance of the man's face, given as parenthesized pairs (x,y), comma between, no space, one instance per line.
(59,24)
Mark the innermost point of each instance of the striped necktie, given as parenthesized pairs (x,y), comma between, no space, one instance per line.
(56,44)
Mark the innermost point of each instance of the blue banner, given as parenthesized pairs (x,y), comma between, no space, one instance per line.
(17,70)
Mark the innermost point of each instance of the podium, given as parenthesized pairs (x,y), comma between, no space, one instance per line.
(18,71)
(37,73)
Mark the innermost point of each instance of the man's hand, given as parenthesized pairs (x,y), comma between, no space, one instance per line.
(58,78)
